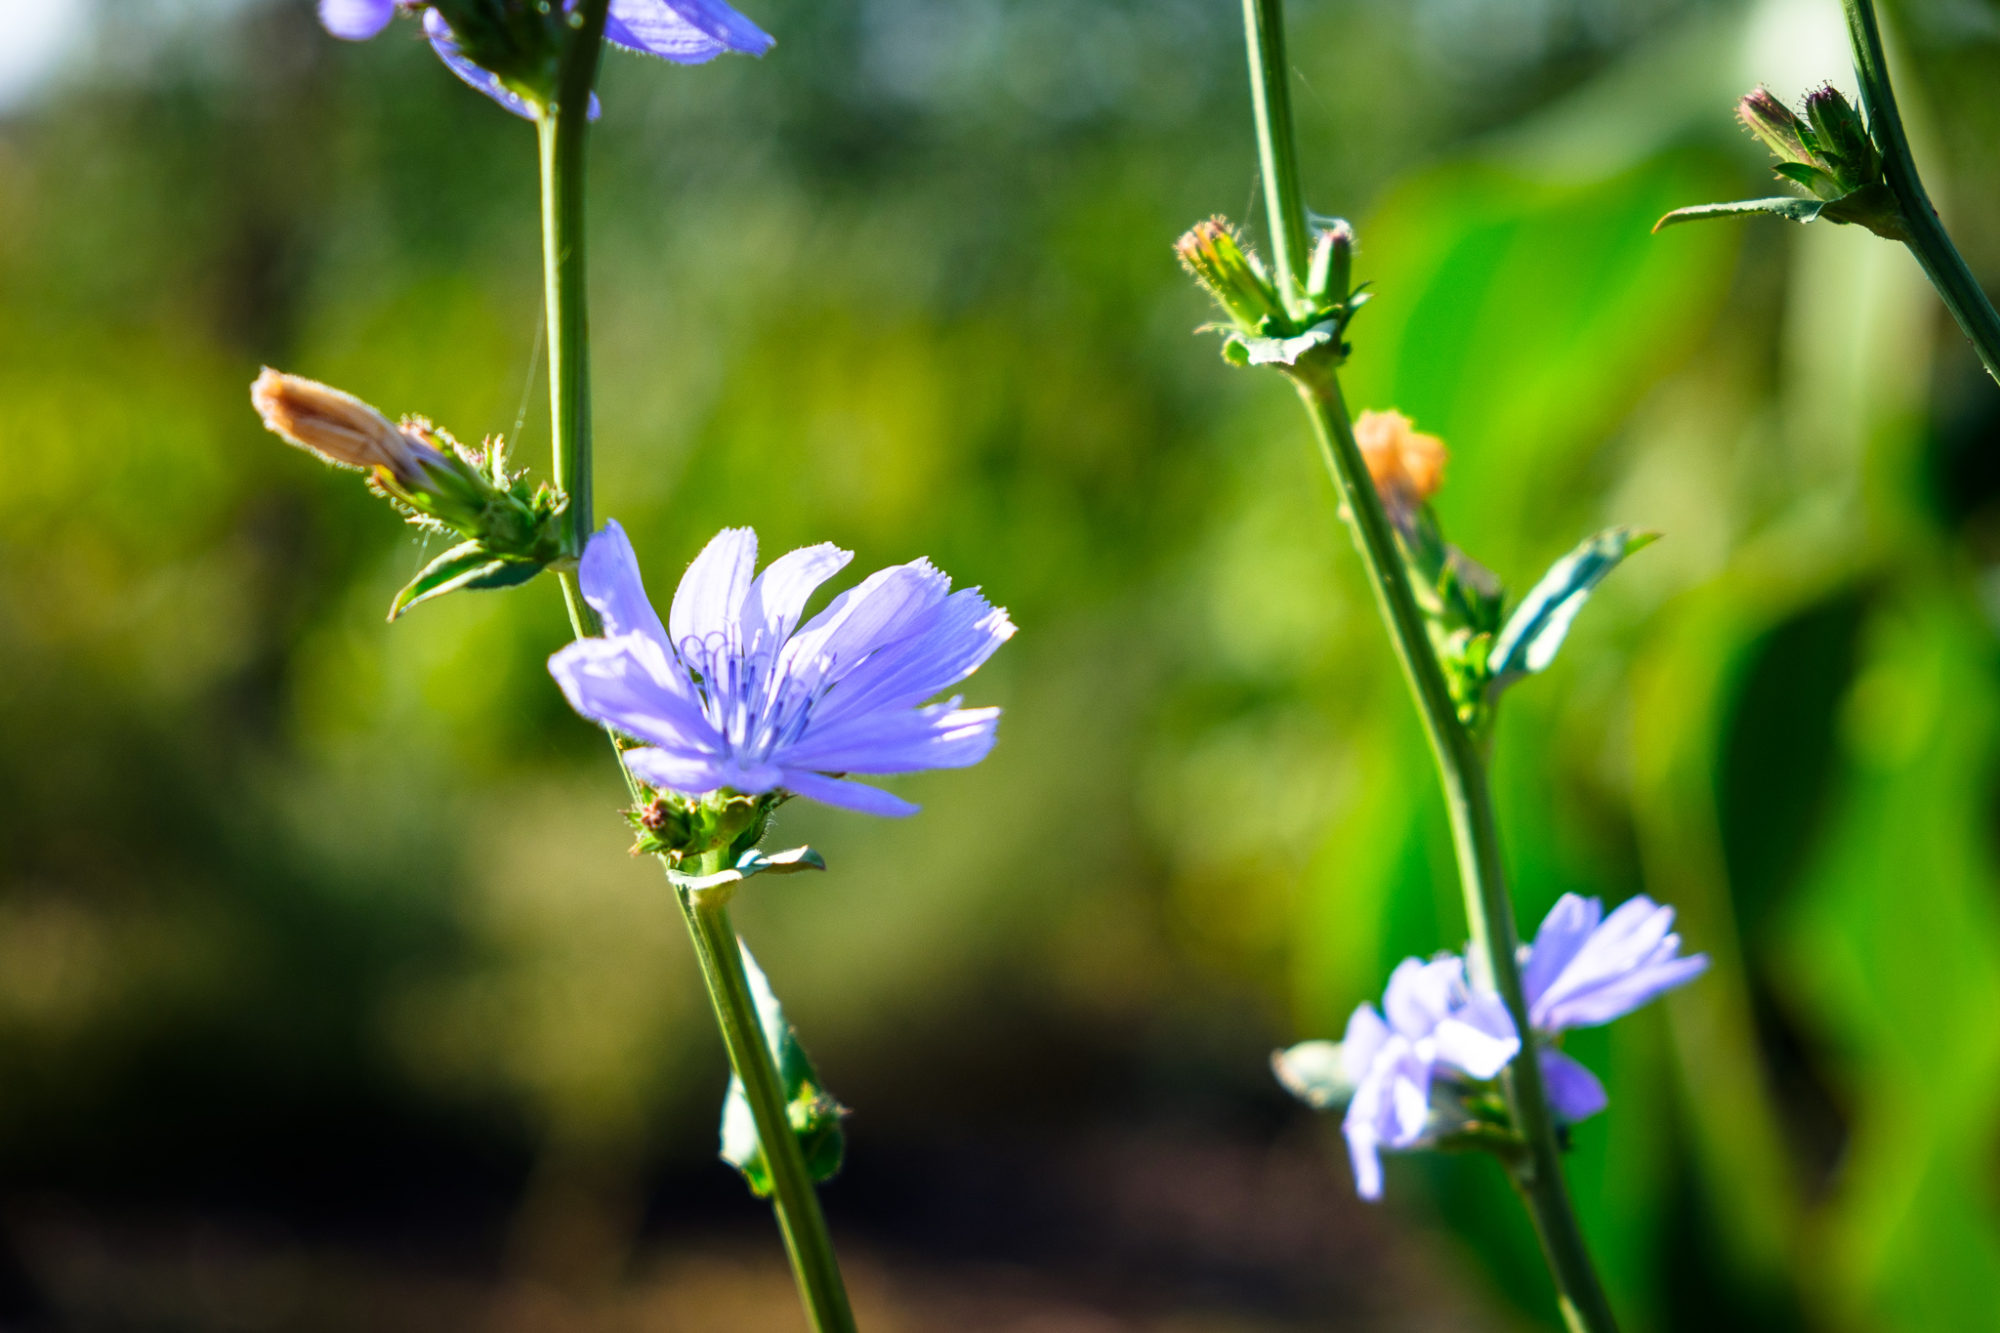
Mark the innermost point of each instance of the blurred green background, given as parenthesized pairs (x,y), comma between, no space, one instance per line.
(329,998)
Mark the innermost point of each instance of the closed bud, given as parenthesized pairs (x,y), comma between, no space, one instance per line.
(1233,276)
(1774,124)
(1331,276)
(340,428)
(1848,153)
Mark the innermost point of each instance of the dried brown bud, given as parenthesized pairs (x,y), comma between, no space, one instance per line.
(1406,465)
(337,426)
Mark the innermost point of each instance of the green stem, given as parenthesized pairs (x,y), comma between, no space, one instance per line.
(1277,146)
(1536,1173)
(793,1197)
(1928,241)
(563,128)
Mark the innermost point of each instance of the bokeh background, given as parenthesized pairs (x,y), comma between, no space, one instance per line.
(329,998)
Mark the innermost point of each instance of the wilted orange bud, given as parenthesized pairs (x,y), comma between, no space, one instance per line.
(337,426)
(1407,466)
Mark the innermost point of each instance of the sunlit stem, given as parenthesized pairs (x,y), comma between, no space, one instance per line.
(1928,241)
(564,126)
(564,131)
(793,1196)
(1536,1173)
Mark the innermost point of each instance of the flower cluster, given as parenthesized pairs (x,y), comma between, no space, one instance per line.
(508,49)
(1266,326)
(733,695)
(1421,1071)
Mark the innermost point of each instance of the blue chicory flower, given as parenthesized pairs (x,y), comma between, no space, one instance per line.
(1585,969)
(732,694)
(1437,1024)
(687,32)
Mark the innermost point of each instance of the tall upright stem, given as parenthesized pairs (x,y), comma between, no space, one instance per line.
(563,128)
(1928,241)
(793,1197)
(1489,913)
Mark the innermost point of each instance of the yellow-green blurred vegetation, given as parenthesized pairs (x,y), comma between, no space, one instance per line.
(330,999)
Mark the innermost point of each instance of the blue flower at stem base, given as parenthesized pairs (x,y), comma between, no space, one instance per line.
(732,694)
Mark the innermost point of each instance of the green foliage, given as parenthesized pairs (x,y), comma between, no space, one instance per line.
(1534,634)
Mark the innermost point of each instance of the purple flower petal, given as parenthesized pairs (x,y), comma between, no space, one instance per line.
(706,606)
(356,20)
(847,795)
(908,741)
(1564,931)
(772,607)
(724,24)
(671,770)
(1366,1034)
(881,609)
(1420,995)
(1627,959)
(609,573)
(1479,1037)
(651,27)
(942,647)
(614,681)
(1574,1092)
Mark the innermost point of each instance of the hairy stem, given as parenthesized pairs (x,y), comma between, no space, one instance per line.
(563,129)
(793,1197)
(1928,241)
(1489,913)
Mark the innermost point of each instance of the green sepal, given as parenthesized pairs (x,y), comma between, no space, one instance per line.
(1311,1071)
(1819,181)
(1533,634)
(466,565)
(814,1114)
(752,862)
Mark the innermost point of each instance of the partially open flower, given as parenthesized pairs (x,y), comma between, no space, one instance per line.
(1232,275)
(339,427)
(1406,465)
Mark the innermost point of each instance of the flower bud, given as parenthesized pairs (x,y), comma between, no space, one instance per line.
(1847,152)
(1234,277)
(339,427)
(1774,124)
(1332,273)
(1406,466)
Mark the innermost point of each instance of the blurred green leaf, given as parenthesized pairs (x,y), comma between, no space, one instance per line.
(814,1114)
(1533,635)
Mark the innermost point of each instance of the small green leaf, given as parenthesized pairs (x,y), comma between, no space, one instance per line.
(814,1114)
(753,862)
(1795,210)
(1529,640)
(466,565)
(1311,1071)
(1813,178)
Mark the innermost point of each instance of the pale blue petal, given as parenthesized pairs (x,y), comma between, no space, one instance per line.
(945,645)
(671,770)
(772,607)
(1421,995)
(876,612)
(612,681)
(1564,931)
(356,20)
(847,795)
(1625,939)
(1363,1041)
(1574,1092)
(906,741)
(1365,1153)
(1479,1038)
(724,24)
(1620,996)
(653,28)
(711,593)
(609,573)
